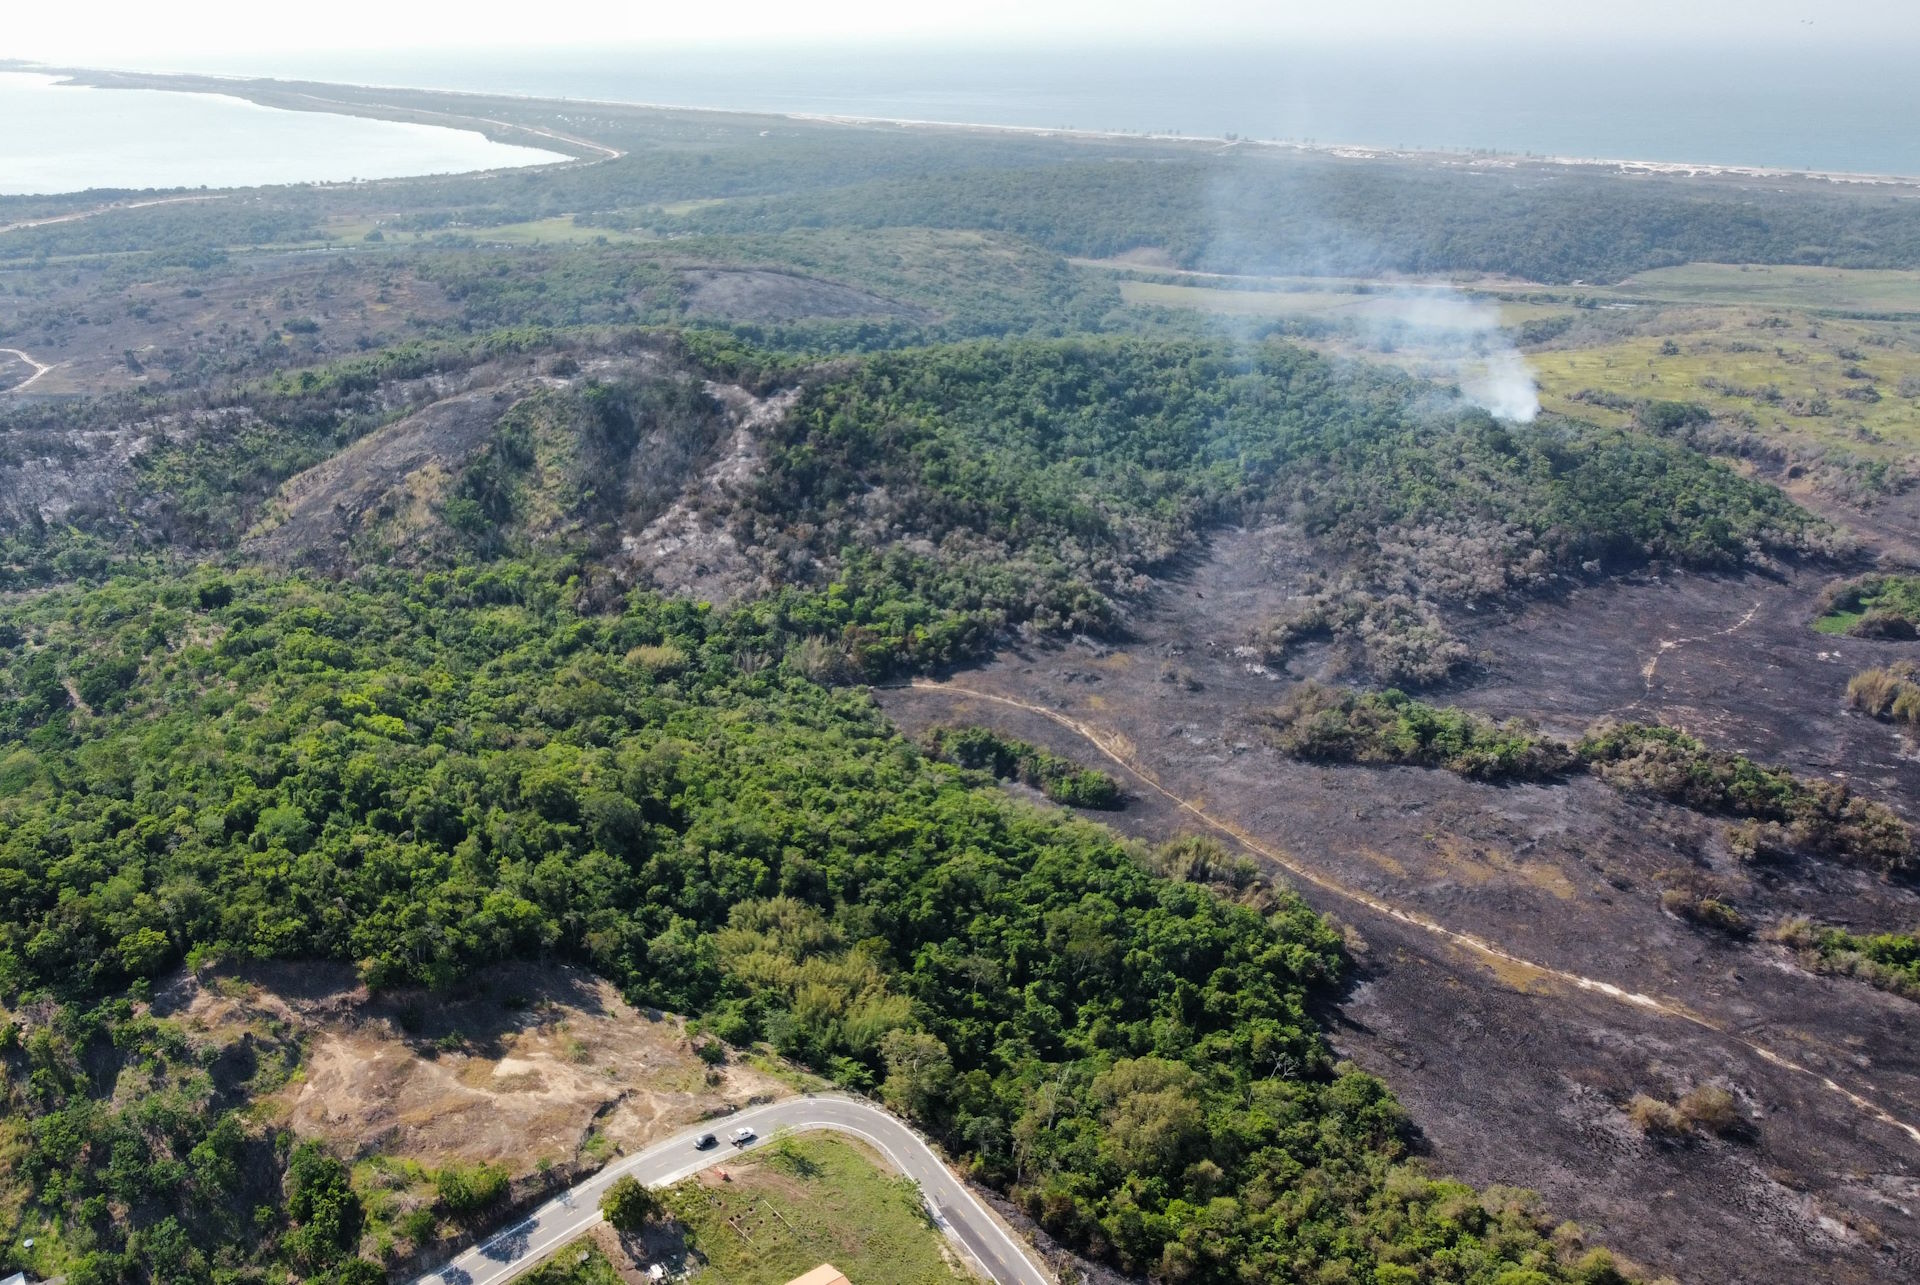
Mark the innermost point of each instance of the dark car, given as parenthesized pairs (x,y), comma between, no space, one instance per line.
(704,1141)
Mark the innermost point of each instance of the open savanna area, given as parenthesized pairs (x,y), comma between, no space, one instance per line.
(560,229)
(1822,289)
(1371,305)
(1794,378)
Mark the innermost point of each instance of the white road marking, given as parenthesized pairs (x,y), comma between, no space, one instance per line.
(577,1210)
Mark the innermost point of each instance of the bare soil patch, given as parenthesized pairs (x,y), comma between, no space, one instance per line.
(527,1064)
(318,513)
(689,549)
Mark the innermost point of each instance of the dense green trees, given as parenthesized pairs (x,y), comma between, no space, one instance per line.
(973,486)
(1060,779)
(423,775)
(1247,214)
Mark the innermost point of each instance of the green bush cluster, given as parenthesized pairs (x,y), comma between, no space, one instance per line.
(1340,725)
(1890,961)
(1874,606)
(1008,759)
(131,1154)
(1825,816)
(1345,726)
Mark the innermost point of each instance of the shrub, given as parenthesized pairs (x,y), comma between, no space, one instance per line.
(1393,639)
(1655,1118)
(657,658)
(465,1190)
(326,1213)
(1872,606)
(1757,841)
(1711,1109)
(1887,693)
(1343,726)
(1890,961)
(629,1205)
(1709,912)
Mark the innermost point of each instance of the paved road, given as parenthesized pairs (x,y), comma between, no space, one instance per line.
(956,1210)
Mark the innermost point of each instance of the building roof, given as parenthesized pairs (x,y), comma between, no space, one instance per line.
(825,1274)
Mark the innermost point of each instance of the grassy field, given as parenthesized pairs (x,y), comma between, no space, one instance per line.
(559,230)
(808,1200)
(1806,380)
(1306,297)
(1836,289)
(1759,347)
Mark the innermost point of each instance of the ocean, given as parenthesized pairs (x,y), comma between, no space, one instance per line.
(59,138)
(1809,105)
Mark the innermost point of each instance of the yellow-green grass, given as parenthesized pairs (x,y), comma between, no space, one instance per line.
(559,230)
(688,207)
(1734,362)
(1473,282)
(1786,286)
(808,1200)
(1304,297)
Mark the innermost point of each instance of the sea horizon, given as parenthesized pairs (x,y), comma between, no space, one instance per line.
(1806,107)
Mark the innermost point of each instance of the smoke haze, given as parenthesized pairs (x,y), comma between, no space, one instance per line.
(1460,341)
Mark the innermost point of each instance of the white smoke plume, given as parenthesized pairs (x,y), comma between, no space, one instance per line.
(1457,339)
(1434,330)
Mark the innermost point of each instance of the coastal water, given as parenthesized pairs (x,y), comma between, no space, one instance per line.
(1796,105)
(60,138)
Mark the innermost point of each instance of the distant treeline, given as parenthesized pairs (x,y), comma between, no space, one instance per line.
(1313,215)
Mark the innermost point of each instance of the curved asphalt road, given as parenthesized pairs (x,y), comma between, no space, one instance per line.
(956,1210)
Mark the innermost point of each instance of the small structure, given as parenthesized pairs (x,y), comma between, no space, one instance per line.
(20,1278)
(825,1274)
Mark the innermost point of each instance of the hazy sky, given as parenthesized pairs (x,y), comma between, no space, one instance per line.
(142,30)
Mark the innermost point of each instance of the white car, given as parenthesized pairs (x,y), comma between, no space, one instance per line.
(741,1137)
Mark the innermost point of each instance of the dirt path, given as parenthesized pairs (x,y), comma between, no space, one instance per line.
(1119,751)
(1652,667)
(39,368)
(97,210)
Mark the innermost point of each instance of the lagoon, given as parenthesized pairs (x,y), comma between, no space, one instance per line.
(67,138)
